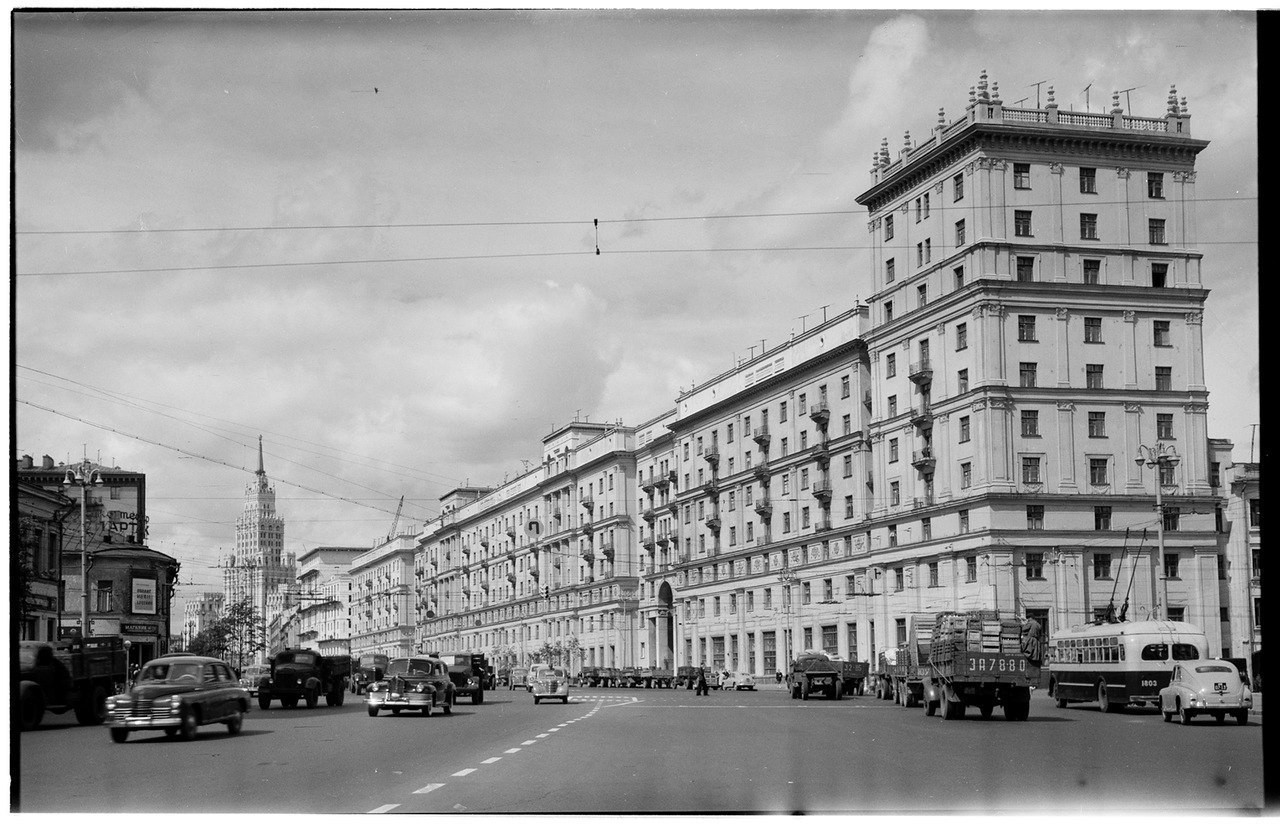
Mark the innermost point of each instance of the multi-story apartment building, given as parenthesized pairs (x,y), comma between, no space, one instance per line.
(199,614)
(993,428)
(1243,553)
(38,540)
(324,614)
(546,559)
(382,598)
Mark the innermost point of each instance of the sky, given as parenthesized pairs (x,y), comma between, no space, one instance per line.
(371,237)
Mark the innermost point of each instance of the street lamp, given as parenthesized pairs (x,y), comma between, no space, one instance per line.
(1159,457)
(85,482)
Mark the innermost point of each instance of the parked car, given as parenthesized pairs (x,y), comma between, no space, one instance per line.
(519,678)
(550,683)
(251,676)
(178,694)
(743,681)
(533,673)
(1205,686)
(418,683)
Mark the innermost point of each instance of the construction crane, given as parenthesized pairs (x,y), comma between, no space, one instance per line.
(395,522)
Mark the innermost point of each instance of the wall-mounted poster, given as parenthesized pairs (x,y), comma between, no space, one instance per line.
(144,596)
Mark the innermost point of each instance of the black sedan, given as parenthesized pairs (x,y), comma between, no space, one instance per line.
(178,694)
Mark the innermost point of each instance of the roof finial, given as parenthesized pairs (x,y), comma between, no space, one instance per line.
(261,470)
(1184,111)
(1051,101)
(906,142)
(1173,100)
(982,86)
(1115,102)
(973,98)
(942,117)
(995,93)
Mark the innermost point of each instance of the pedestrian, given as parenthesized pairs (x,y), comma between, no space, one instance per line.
(779,677)
(702,682)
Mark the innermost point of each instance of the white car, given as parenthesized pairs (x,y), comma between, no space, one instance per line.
(550,683)
(1205,686)
(743,681)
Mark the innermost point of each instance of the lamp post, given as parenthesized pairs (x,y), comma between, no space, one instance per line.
(86,478)
(786,578)
(1159,457)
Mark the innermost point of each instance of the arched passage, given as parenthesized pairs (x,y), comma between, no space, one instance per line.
(666,627)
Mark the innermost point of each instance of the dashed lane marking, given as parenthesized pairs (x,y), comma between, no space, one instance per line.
(528,742)
(540,736)
(430,787)
(511,751)
(383,809)
(491,760)
(463,773)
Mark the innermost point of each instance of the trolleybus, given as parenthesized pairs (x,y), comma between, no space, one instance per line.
(1119,663)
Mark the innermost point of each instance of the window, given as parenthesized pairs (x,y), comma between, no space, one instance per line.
(888,227)
(728,433)
(899,584)
(1170,565)
(1092,267)
(926,205)
(782,412)
(919,210)
(1164,378)
(919,254)
(751,531)
(957,187)
(1093,329)
(715,606)
(1097,424)
(1035,516)
(1026,328)
(784,446)
(804,479)
(804,440)
(1030,423)
(962,336)
(891,365)
(888,270)
(848,466)
(786,522)
(1026,267)
(848,506)
(960,233)
(926,532)
(102,597)
(1167,475)
(922,296)
(958,273)
(1022,223)
(733,536)
(1159,274)
(1177,614)
(1021,176)
(1093,375)
(893,450)
(962,381)
(846,423)
(1030,470)
(895,494)
(971,569)
(1155,231)
(1172,515)
(1215,475)
(1098,471)
(1089,226)
(1102,518)
(844,387)
(1164,426)
(768,601)
(1102,565)
(964,521)
(806,595)
(1035,565)
(893,405)
(1155,185)
(1027,375)
(888,311)
(1160,333)
(1255,512)
(786,483)
(966,475)
(1088,180)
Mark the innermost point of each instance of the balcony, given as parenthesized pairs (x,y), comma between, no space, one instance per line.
(921,416)
(466,550)
(761,471)
(661,483)
(511,556)
(673,508)
(587,526)
(588,555)
(924,461)
(607,550)
(650,515)
(484,582)
(711,455)
(648,542)
(761,436)
(822,490)
(920,373)
(511,577)
(648,484)
(588,504)
(764,506)
(711,487)
(921,503)
(820,413)
(665,539)
(466,591)
(822,526)
(511,533)
(484,542)
(866,400)
(713,522)
(555,562)
(671,476)
(821,452)
(556,513)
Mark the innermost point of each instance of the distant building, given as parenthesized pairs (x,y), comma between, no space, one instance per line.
(324,615)
(382,598)
(39,542)
(1243,551)
(199,614)
(259,564)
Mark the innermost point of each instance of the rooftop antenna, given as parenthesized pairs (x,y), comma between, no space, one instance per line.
(1037,85)
(803,328)
(1086,96)
(1022,101)
(1128,109)
(824,310)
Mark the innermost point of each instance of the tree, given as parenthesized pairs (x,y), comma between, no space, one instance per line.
(235,636)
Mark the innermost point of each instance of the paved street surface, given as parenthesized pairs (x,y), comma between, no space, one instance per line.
(647,751)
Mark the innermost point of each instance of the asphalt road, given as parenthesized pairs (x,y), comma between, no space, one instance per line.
(652,751)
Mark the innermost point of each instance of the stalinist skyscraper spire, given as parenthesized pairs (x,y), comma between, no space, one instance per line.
(259,563)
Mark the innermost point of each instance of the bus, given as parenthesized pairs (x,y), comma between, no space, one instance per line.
(1119,663)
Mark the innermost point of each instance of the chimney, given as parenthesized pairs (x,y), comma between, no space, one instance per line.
(46,462)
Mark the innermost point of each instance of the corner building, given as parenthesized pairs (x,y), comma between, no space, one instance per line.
(964,439)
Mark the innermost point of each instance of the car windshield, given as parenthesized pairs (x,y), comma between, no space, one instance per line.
(172,672)
(403,667)
(1214,669)
(546,673)
(27,656)
(296,659)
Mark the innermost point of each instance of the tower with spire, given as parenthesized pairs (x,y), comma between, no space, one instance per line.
(259,564)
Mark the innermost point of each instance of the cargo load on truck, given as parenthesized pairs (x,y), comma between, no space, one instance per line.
(69,675)
(976,658)
(812,674)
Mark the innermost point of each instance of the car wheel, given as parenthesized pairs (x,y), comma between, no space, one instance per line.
(373,710)
(448,704)
(426,710)
(1242,716)
(1184,714)
(32,711)
(235,723)
(119,735)
(264,701)
(189,725)
(1168,715)
(312,698)
(94,708)
(537,700)
(1104,701)
(478,699)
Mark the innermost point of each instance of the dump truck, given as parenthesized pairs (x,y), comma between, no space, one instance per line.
(976,659)
(305,675)
(853,676)
(72,674)
(813,673)
(656,677)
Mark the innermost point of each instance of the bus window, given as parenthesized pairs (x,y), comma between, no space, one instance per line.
(1183,651)
(1151,653)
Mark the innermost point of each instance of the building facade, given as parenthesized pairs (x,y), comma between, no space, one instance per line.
(38,541)
(382,598)
(1243,553)
(199,614)
(324,609)
(259,566)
